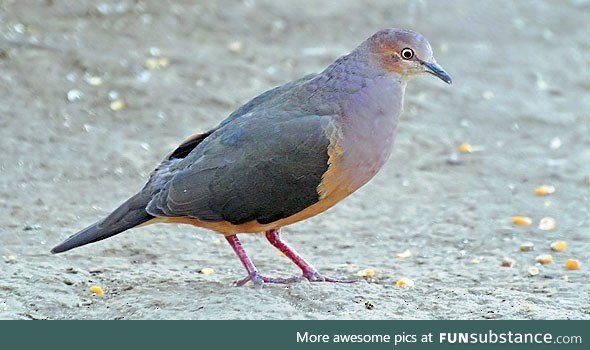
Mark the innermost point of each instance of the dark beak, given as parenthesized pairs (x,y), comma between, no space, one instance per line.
(436,70)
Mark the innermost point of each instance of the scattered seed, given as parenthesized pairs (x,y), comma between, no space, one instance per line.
(533,270)
(93,80)
(544,259)
(572,264)
(465,148)
(117,105)
(474,261)
(235,46)
(404,283)
(207,271)
(96,290)
(544,190)
(555,143)
(527,247)
(9,259)
(367,273)
(217,241)
(154,63)
(559,246)
(507,262)
(405,254)
(566,278)
(547,224)
(369,305)
(522,220)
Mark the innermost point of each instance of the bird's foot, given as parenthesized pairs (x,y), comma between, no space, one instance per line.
(260,280)
(314,276)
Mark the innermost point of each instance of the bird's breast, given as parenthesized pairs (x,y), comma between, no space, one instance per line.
(369,129)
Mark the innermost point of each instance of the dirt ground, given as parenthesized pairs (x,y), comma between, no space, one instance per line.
(94,94)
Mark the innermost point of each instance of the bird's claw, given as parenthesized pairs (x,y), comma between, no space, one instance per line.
(314,276)
(260,280)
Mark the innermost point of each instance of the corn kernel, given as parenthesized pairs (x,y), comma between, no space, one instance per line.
(544,259)
(559,246)
(544,190)
(96,290)
(572,264)
(533,270)
(465,148)
(522,220)
(207,271)
(368,273)
(117,105)
(405,254)
(547,224)
(404,283)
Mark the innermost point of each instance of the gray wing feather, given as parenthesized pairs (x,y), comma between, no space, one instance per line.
(263,166)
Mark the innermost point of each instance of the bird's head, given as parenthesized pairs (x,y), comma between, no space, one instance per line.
(404,52)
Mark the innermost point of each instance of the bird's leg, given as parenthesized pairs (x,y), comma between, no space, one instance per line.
(253,274)
(309,271)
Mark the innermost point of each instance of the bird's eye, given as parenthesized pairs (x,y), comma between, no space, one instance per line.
(407,54)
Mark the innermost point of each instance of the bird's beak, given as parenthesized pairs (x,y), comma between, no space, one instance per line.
(438,71)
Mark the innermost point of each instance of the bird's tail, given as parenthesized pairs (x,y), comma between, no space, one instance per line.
(130,214)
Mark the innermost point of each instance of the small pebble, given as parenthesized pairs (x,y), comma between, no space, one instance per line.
(572,264)
(404,283)
(369,305)
(74,95)
(527,247)
(507,262)
(547,224)
(559,246)
(544,259)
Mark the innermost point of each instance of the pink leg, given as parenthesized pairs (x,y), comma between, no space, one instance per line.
(253,274)
(309,272)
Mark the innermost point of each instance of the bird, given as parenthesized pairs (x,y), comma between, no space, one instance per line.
(287,155)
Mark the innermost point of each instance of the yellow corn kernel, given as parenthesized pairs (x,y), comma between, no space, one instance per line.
(522,220)
(368,273)
(547,224)
(404,283)
(465,148)
(544,190)
(96,290)
(207,271)
(572,264)
(559,246)
(544,259)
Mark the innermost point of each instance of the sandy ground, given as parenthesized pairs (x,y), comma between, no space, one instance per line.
(521,89)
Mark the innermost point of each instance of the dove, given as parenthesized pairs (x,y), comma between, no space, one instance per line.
(286,155)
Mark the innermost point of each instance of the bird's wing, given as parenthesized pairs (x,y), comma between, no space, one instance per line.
(264,166)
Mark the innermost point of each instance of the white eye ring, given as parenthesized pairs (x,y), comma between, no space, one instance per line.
(407,54)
